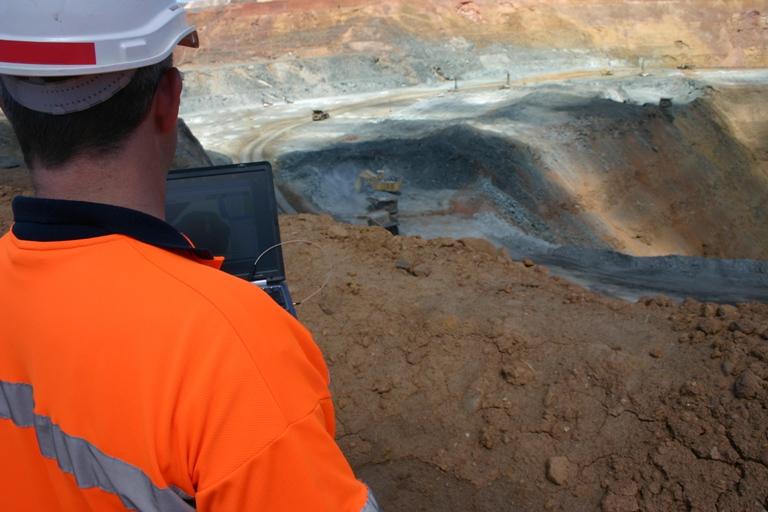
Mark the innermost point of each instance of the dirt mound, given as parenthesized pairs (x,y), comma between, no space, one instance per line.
(467,381)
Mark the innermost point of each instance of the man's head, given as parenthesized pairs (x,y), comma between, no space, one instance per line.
(80,79)
(50,140)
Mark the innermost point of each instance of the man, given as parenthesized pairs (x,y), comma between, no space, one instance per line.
(134,375)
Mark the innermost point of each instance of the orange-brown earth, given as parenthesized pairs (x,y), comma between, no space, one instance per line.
(712,33)
(466,381)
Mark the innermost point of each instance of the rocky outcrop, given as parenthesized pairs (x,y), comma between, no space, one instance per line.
(189,152)
(10,153)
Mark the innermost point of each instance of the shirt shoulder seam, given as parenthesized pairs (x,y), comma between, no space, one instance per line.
(223,315)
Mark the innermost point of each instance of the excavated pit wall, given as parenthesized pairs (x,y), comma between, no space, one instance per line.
(593,178)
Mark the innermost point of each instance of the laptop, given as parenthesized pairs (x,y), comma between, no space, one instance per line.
(232,211)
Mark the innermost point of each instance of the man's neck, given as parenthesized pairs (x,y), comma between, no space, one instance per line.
(117,180)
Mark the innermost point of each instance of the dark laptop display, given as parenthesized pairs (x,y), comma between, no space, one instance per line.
(232,211)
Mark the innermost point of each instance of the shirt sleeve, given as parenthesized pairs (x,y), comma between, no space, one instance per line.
(301,470)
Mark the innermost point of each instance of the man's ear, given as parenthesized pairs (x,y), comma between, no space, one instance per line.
(165,108)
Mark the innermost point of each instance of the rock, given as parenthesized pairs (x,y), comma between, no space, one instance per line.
(337,231)
(748,385)
(708,310)
(760,352)
(445,242)
(486,439)
(745,326)
(189,152)
(691,388)
(417,270)
(690,305)
(518,373)
(658,300)
(698,337)
(421,270)
(529,263)
(404,264)
(219,158)
(655,353)
(559,470)
(728,367)
(9,162)
(327,308)
(727,311)
(479,245)
(615,503)
(710,326)
(10,152)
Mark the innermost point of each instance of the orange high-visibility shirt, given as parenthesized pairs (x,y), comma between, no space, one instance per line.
(135,377)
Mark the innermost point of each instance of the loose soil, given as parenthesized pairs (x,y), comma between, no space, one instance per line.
(467,381)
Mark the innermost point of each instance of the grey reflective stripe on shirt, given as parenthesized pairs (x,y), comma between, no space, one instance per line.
(89,465)
(371,505)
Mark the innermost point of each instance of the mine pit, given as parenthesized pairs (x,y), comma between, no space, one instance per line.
(609,182)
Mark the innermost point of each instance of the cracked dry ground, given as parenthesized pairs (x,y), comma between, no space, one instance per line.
(466,381)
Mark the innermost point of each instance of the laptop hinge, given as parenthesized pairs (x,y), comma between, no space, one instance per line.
(261,283)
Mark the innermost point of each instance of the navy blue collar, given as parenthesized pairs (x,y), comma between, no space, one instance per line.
(54,220)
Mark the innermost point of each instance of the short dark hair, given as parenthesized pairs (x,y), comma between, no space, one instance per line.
(52,140)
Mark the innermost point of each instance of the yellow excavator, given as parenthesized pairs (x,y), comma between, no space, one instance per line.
(369,181)
(383,193)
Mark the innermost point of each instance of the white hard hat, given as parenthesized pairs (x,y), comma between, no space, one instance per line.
(62,38)
(94,46)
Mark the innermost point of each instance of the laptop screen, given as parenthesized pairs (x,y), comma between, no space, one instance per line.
(230,210)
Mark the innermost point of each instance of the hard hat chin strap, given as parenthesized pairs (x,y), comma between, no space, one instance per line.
(68,95)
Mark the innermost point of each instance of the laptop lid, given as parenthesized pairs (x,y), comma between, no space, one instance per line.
(232,211)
